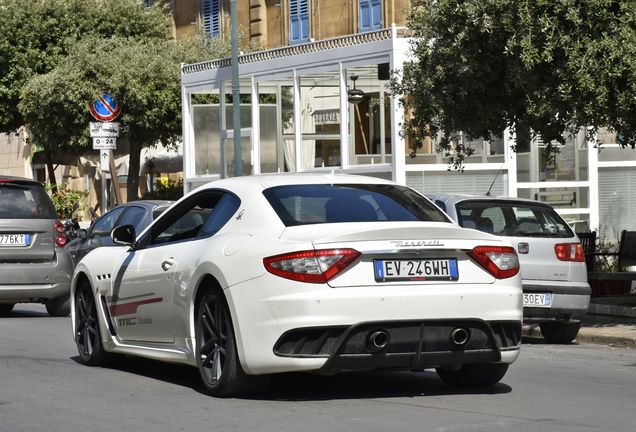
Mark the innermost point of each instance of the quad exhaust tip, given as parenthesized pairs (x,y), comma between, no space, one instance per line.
(377,341)
(459,337)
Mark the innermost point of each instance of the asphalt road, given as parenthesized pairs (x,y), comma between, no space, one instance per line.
(551,388)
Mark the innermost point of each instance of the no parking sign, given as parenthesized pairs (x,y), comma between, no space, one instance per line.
(105,108)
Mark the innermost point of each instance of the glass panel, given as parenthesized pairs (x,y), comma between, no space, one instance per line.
(320,119)
(206,124)
(569,164)
(246,148)
(575,197)
(615,153)
(369,116)
(271,152)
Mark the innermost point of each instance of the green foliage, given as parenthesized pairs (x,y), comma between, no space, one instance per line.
(170,190)
(64,199)
(549,66)
(37,34)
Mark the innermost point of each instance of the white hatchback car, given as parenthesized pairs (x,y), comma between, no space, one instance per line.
(553,272)
(251,276)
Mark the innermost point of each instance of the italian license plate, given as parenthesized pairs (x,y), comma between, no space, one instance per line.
(415,269)
(14,240)
(537,300)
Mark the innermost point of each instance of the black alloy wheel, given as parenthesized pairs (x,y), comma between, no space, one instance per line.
(216,354)
(87,334)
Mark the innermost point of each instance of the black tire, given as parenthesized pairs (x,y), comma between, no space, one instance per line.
(560,332)
(475,374)
(59,307)
(6,308)
(217,358)
(87,334)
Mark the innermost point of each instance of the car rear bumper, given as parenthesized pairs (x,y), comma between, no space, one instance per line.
(32,293)
(570,300)
(36,281)
(267,310)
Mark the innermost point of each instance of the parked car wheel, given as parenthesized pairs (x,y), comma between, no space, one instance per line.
(6,308)
(217,358)
(58,307)
(560,332)
(474,374)
(87,333)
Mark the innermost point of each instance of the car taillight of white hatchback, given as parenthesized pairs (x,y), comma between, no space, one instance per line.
(500,261)
(569,252)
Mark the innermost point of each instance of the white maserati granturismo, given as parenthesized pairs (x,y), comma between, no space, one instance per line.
(251,276)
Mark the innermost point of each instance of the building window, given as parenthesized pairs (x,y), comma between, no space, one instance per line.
(370,17)
(211,11)
(298,21)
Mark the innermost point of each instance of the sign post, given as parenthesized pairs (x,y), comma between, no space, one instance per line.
(104,133)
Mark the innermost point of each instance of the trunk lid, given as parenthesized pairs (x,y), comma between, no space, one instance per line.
(413,243)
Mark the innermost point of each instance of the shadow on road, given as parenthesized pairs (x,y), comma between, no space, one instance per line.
(310,387)
(21,313)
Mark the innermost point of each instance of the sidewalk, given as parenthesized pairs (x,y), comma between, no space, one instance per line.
(609,321)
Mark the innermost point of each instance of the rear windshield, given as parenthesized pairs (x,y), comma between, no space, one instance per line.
(512,219)
(24,201)
(330,203)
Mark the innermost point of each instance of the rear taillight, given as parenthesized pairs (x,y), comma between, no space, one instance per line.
(500,261)
(569,252)
(60,238)
(314,266)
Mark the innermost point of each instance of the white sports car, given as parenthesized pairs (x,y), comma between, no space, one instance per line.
(251,276)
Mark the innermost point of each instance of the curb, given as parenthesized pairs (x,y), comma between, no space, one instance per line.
(593,335)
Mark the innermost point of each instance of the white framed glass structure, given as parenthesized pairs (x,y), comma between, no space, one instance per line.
(325,105)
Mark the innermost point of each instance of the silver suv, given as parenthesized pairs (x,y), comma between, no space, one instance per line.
(555,289)
(34,267)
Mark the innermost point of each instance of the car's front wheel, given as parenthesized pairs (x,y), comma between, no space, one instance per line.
(59,307)
(560,332)
(216,353)
(474,374)
(87,333)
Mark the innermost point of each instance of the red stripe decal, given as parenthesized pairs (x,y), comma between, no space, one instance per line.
(131,308)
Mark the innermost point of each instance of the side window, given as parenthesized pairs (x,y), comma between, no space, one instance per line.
(222,212)
(185,221)
(105,225)
(298,21)
(133,216)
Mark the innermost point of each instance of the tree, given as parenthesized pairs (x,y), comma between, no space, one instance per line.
(546,66)
(38,34)
(144,75)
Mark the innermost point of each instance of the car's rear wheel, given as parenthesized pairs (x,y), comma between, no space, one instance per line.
(5,308)
(87,333)
(59,307)
(216,353)
(560,332)
(474,374)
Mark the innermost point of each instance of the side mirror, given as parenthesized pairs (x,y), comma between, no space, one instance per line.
(82,233)
(123,235)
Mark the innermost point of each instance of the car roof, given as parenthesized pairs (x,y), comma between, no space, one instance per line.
(13,179)
(147,203)
(450,198)
(265,181)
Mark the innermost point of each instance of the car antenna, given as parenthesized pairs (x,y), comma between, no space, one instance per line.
(496,175)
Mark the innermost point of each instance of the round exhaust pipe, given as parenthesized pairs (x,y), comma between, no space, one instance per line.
(377,341)
(459,337)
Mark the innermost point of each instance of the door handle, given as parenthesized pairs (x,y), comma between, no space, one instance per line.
(167,264)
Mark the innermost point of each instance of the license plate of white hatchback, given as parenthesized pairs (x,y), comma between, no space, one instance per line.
(537,300)
(15,240)
(415,269)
